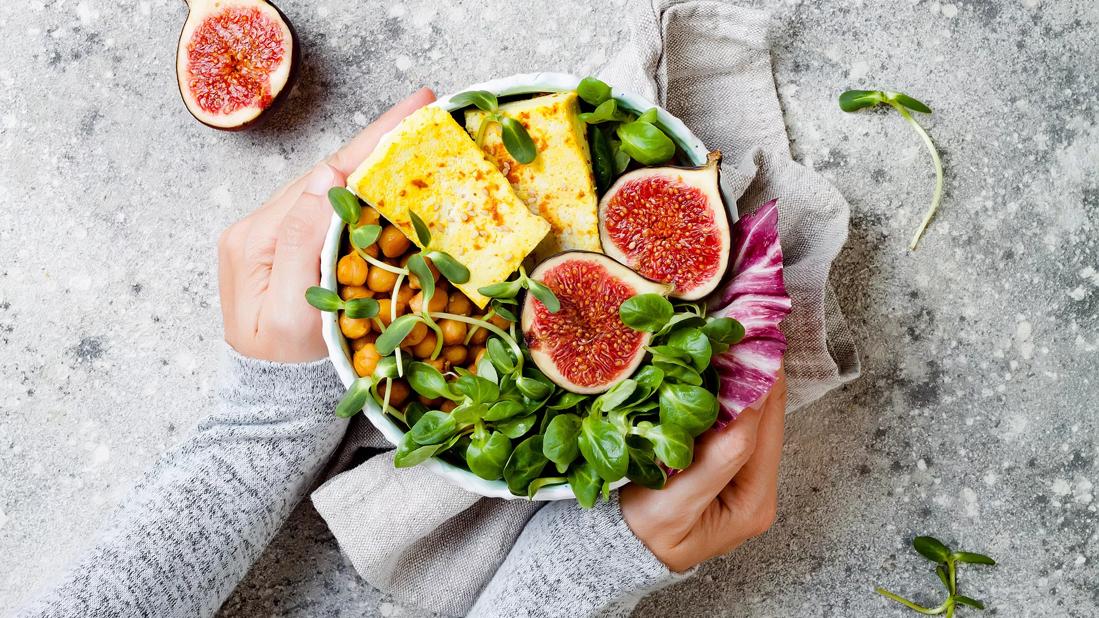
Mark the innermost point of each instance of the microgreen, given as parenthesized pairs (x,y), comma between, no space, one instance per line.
(512,132)
(946,563)
(854,100)
(593,91)
(510,289)
(346,204)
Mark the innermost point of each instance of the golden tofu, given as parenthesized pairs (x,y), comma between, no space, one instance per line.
(558,185)
(430,165)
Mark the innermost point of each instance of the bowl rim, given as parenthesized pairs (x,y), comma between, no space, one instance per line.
(338,351)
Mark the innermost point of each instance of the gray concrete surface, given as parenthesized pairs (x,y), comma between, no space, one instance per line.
(975,419)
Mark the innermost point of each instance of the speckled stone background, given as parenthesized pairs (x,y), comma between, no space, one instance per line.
(975,419)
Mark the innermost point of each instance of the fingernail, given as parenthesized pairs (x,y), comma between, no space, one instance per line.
(320,179)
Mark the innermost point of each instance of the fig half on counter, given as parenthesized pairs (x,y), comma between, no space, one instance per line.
(237,61)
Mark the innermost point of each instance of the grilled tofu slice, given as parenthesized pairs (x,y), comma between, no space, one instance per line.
(558,185)
(430,165)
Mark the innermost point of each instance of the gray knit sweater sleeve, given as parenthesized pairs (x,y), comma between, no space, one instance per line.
(189,531)
(574,562)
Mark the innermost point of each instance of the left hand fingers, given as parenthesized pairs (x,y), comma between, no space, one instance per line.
(296,267)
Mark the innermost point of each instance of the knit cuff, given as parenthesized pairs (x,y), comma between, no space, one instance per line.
(253,381)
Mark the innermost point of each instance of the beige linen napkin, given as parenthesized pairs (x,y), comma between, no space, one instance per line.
(430,544)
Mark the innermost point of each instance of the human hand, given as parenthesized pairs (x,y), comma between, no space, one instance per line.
(727,496)
(268,259)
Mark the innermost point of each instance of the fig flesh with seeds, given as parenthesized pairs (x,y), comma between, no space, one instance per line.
(670,225)
(584,347)
(236,62)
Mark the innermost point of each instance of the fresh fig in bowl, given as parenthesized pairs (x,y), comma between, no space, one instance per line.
(670,225)
(236,62)
(584,347)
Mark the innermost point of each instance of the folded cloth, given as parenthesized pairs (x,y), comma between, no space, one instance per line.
(430,544)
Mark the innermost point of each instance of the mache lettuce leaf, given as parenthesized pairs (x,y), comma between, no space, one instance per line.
(755,295)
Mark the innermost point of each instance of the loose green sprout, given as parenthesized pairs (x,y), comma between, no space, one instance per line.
(946,568)
(854,100)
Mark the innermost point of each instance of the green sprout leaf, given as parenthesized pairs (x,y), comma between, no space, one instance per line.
(724,330)
(433,427)
(418,266)
(593,91)
(964,600)
(544,295)
(853,100)
(323,299)
(517,141)
(346,205)
(607,111)
(409,453)
(643,468)
(910,103)
(585,483)
(516,428)
(482,99)
(645,142)
(365,235)
(393,336)
(354,399)
(602,159)
(486,457)
(649,116)
(972,558)
(646,312)
(931,548)
(524,465)
(503,410)
(450,268)
(692,408)
(477,389)
(503,289)
(429,382)
(559,444)
(359,308)
(604,447)
(418,225)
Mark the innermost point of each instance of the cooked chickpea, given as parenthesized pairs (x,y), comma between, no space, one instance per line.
(372,250)
(416,335)
(369,216)
(393,242)
(350,292)
(479,336)
(381,280)
(438,302)
(459,303)
(400,392)
(353,328)
(448,406)
(455,354)
(357,344)
(385,310)
(351,270)
(425,347)
(365,360)
(476,353)
(454,332)
(440,364)
(405,294)
(430,403)
(500,322)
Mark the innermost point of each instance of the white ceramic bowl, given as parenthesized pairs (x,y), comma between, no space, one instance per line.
(337,346)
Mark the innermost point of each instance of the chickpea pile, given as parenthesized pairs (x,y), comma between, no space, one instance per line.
(359,279)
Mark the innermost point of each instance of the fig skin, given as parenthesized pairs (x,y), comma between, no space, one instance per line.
(543,360)
(705,178)
(279,99)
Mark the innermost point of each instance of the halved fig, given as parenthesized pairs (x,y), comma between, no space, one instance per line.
(670,225)
(584,347)
(237,61)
